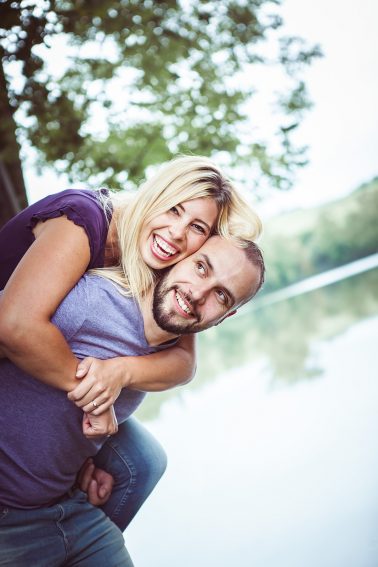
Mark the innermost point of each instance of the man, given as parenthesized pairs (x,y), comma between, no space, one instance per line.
(42,522)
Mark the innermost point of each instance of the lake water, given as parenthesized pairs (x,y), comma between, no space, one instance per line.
(273,448)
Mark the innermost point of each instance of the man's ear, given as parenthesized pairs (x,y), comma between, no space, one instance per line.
(231,313)
(228,315)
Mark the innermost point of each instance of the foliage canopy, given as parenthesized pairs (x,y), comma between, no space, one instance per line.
(142,80)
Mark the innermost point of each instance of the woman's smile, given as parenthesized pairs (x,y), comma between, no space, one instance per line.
(162,249)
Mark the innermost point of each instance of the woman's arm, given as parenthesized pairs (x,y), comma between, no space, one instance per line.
(151,373)
(166,369)
(46,273)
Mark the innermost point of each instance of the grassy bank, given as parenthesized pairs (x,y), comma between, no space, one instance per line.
(304,243)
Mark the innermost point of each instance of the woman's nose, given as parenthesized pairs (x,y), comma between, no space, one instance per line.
(177,230)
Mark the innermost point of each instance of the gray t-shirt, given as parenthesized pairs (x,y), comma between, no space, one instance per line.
(42,446)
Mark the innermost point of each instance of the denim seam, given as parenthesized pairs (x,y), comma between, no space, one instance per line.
(131,483)
(60,527)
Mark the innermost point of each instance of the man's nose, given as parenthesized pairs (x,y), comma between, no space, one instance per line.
(200,293)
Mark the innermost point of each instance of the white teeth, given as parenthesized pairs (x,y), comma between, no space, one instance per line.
(163,246)
(182,304)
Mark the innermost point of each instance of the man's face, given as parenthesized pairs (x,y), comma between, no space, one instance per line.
(205,288)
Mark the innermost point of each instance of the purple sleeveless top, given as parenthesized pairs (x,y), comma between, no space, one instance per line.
(79,205)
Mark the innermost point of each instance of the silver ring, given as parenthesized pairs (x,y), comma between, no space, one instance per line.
(94,405)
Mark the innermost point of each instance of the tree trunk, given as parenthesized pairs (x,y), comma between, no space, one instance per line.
(12,187)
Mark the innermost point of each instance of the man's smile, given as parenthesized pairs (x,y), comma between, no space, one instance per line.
(184,306)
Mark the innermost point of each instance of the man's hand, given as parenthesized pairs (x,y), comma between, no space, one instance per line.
(98,484)
(100,425)
(101,382)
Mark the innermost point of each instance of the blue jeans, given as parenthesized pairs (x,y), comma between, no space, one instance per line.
(70,533)
(136,461)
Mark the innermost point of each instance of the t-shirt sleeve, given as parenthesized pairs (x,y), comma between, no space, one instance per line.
(82,208)
(72,311)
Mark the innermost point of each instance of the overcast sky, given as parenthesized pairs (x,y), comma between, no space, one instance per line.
(342,128)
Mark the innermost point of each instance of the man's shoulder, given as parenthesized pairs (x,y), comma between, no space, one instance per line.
(105,296)
(96,283)
(94,302)
(111,316)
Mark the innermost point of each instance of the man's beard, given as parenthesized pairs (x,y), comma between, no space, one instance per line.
(169,320)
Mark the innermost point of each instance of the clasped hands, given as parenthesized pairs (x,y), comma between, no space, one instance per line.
(100,385)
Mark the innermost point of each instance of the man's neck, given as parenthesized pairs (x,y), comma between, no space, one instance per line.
(155,335)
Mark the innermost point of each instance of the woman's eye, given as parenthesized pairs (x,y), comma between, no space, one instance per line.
(174,210)
(199,228)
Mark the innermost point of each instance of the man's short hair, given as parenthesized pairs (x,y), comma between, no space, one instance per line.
(255,256)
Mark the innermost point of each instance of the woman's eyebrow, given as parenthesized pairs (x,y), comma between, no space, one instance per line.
(204,223)
(197,220)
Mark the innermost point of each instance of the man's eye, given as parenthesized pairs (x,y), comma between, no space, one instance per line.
(221,296)
(198,228)
(201,268)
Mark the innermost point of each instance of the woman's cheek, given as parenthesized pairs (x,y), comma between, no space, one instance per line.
(195,243)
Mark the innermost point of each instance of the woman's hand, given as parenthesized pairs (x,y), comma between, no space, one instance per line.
(100,425)
(155,372)
(102,383)
(98,484)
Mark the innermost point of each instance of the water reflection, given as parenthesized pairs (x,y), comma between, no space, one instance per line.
(282,476)
(280,334)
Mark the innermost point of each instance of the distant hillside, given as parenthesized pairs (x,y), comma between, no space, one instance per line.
(303,243)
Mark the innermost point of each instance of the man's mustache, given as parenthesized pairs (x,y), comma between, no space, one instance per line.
(190,300)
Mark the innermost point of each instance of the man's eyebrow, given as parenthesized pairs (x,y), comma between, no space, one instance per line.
(232,300)
(207,260)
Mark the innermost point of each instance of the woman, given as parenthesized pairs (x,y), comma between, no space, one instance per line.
(51,244)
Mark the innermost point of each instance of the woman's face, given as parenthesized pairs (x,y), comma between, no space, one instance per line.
(176,234)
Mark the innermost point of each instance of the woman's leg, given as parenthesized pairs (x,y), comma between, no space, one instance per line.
(136,461)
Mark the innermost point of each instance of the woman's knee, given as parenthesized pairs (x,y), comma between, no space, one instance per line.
(142,450)
(140,454)
(137,461)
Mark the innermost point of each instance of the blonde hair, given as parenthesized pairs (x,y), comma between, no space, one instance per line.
(182,179)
